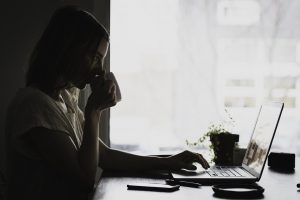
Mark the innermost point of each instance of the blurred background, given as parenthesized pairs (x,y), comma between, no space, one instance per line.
(181,63)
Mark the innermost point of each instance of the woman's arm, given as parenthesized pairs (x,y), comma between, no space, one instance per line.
(112,159)
(58,151)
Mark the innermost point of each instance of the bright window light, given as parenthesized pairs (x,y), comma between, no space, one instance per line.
(238,12)
(180,64)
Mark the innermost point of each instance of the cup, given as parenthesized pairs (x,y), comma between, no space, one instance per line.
(111,76)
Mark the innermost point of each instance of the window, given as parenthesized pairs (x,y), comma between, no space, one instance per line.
(180,64)
(238,12)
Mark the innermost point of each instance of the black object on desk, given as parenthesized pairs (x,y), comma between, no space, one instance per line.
(238,190)
(281,161)
(153,187)
(183,183)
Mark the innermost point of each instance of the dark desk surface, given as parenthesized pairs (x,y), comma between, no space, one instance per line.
(277,186)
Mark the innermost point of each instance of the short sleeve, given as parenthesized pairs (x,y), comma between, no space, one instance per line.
(30,109)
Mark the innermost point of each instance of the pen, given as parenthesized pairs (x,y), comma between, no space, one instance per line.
(183,183)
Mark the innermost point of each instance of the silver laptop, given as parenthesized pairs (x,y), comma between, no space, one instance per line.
(255,157)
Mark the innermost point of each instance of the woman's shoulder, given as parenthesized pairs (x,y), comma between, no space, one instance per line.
(28,98)
(31,95)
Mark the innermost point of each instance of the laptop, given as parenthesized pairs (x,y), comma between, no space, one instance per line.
(255,157)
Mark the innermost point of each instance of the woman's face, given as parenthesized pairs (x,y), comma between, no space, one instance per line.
(94,66)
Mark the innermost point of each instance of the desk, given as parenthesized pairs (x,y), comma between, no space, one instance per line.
(278,186)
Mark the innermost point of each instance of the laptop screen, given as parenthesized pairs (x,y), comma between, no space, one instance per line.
(262,136)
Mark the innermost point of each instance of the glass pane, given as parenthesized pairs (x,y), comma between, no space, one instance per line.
(181,64)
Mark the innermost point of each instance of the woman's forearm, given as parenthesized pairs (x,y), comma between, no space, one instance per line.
(112,159)
(89,150)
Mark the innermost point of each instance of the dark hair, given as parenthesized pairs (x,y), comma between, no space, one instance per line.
(71,34)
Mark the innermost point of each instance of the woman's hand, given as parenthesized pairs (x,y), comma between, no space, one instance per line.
(185,160)
(103,94)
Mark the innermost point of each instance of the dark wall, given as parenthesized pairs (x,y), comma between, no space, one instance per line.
(22,22)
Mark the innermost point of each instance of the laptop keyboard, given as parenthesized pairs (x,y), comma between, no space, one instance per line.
(223,172)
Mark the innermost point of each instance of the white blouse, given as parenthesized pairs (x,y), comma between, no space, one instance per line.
(28,176)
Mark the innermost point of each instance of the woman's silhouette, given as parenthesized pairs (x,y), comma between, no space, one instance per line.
(53,147)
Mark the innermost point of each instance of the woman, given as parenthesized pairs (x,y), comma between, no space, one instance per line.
(53,147)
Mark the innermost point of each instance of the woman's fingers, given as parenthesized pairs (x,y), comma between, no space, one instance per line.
(188,166)
(104,94)
(191,157)
(202,161)
(185,160)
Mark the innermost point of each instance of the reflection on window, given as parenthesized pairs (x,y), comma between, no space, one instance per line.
(181,63)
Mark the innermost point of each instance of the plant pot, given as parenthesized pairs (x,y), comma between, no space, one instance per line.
(238,155)
(223,145)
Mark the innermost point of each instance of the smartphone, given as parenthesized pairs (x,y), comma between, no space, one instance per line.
(153,187)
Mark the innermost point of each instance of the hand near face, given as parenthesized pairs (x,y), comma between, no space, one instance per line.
(185,160)
(103,94)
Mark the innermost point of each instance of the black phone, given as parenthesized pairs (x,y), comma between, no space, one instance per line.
(153,187)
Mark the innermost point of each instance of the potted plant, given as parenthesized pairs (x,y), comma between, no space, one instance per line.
(221,142)
(223,145)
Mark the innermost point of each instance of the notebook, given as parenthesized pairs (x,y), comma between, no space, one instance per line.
(255,157)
